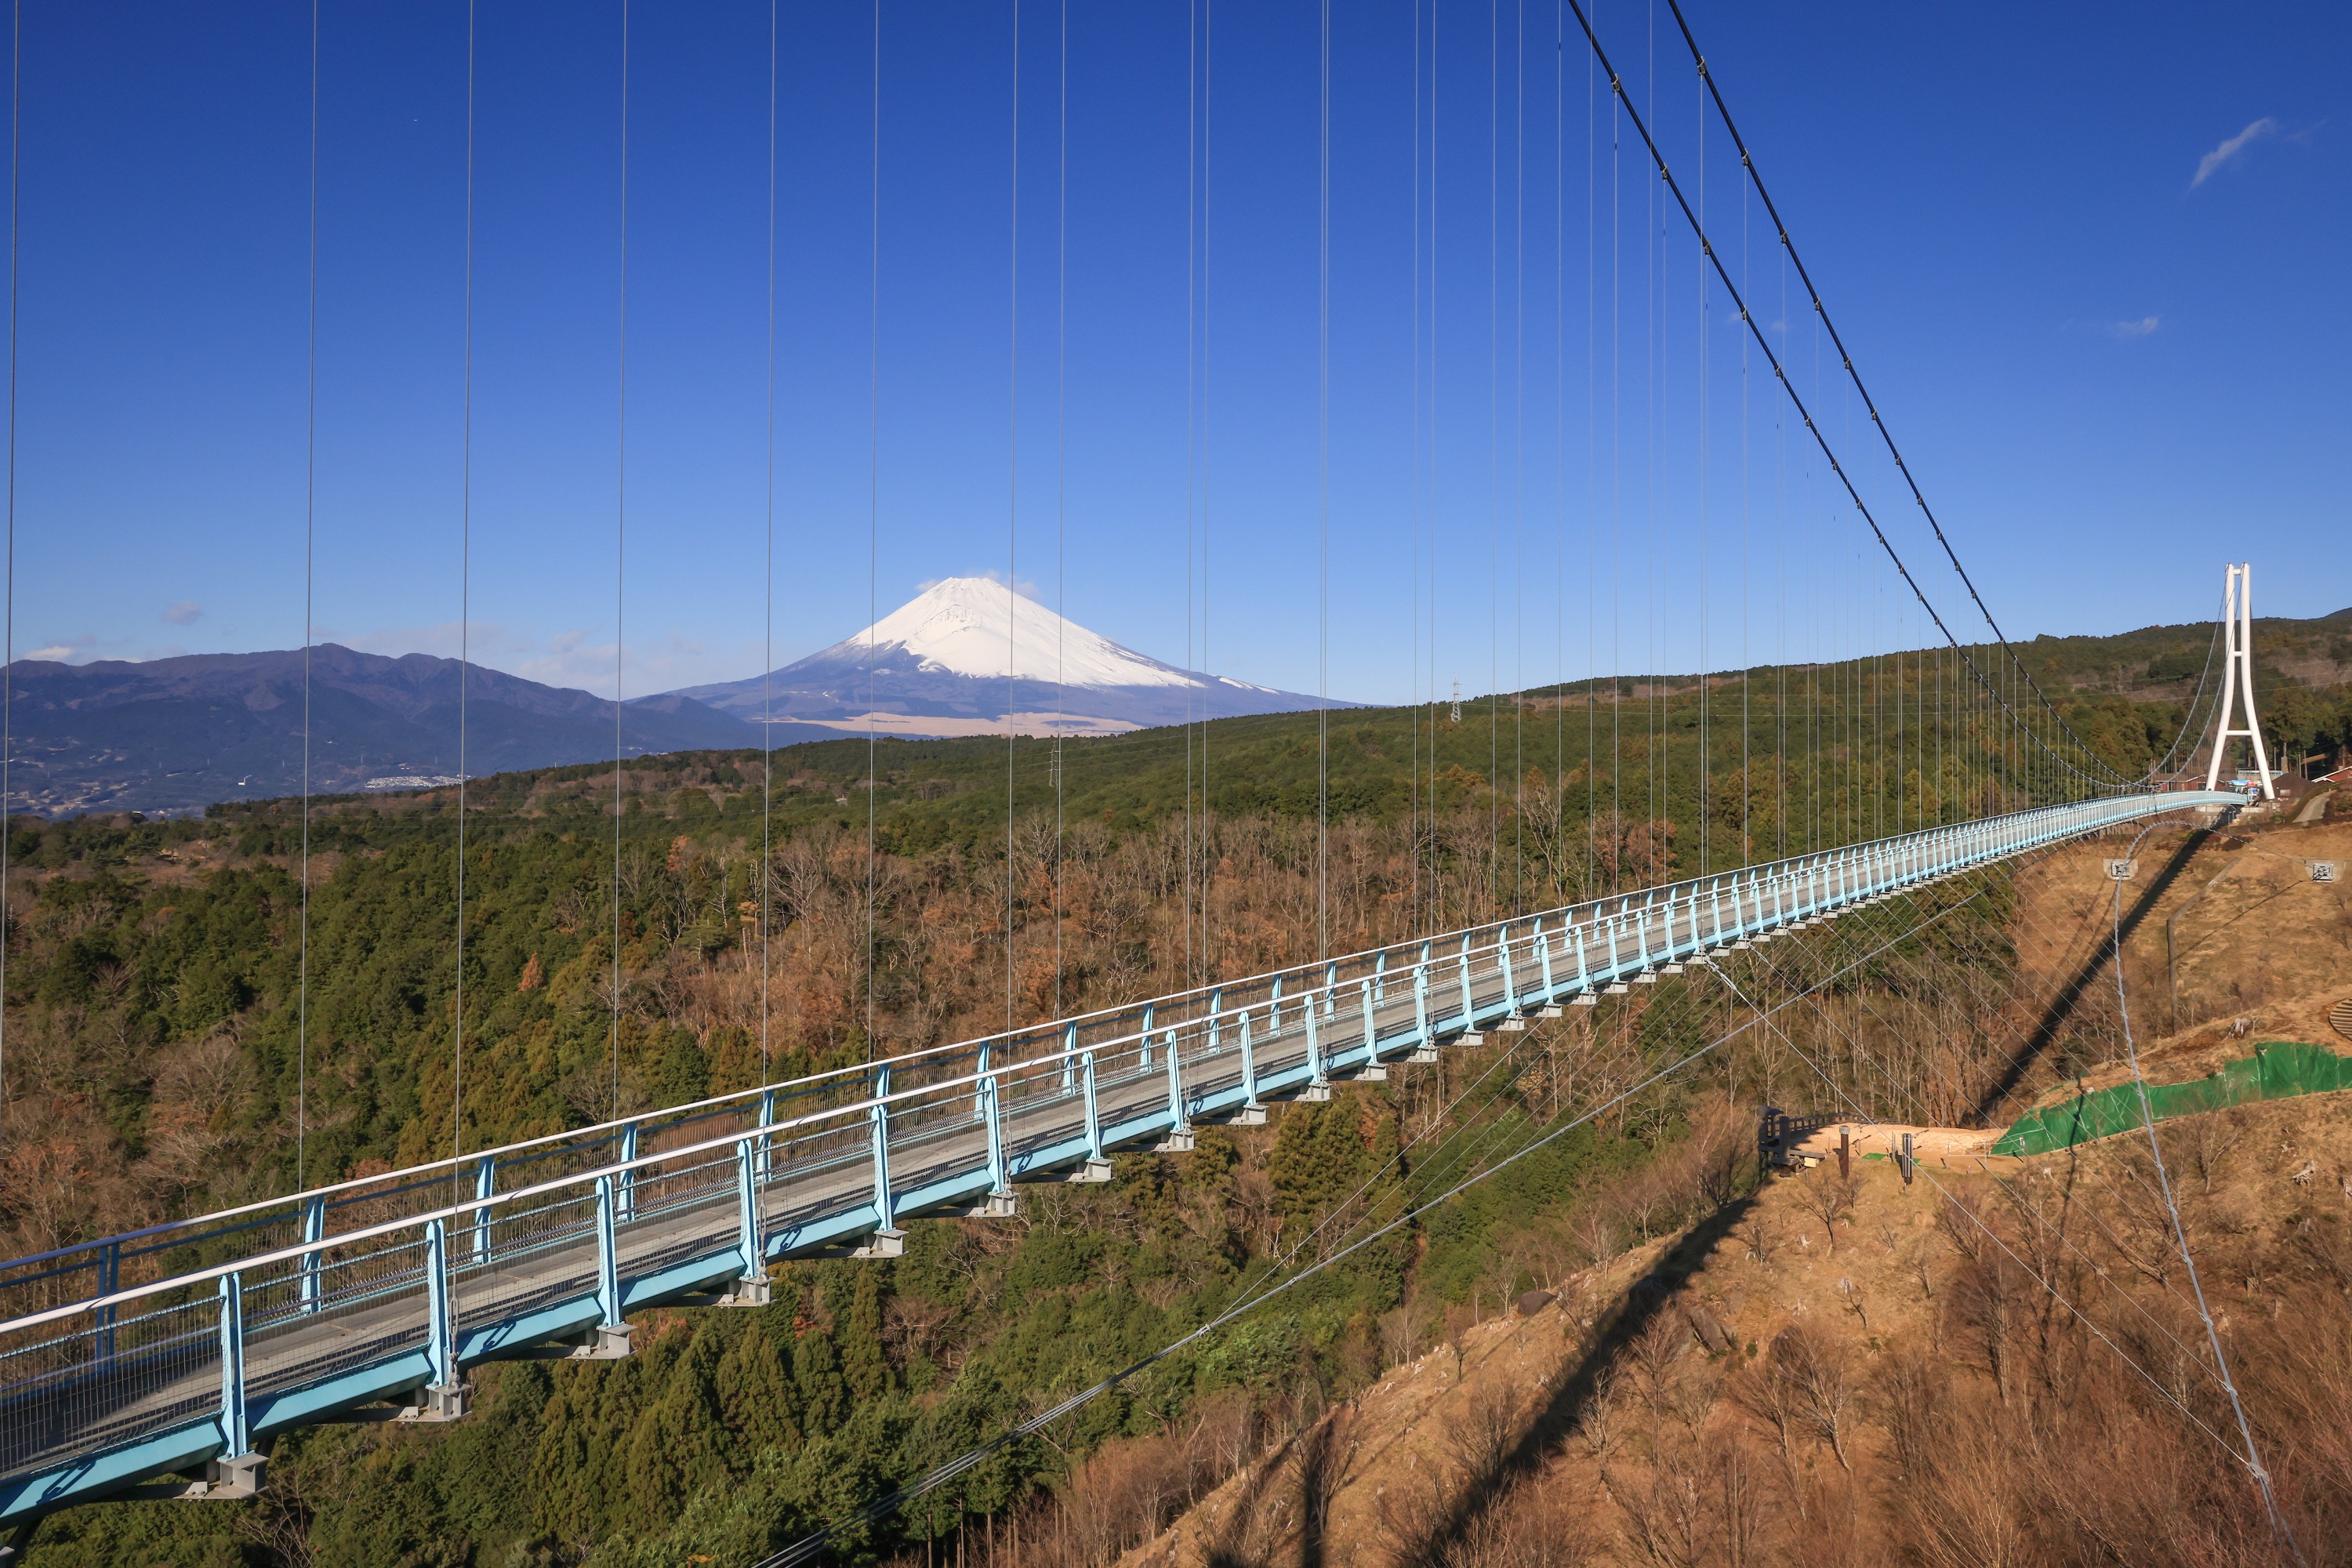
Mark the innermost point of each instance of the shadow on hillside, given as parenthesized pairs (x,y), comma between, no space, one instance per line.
(1556,1420)
(2069,995)
(1308,1459)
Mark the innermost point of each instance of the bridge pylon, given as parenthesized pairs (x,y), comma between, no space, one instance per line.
(2238,677)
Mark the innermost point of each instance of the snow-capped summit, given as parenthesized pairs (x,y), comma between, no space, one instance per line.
(969,626)
(968,655)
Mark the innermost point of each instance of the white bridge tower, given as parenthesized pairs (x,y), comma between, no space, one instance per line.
(2238,677)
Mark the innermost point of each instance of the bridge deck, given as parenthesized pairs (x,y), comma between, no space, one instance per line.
(290,1321)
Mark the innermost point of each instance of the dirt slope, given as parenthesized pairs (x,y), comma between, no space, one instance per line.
(2002,1366)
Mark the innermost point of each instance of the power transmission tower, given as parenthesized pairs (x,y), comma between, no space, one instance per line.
(2238,675)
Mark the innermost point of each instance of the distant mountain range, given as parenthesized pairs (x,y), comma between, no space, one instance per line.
(175,735)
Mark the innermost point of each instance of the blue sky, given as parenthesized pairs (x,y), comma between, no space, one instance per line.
(2089,259)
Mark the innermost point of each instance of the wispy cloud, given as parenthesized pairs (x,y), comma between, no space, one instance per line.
(67,650)
(186,613)
(2127,330)
(2228,151)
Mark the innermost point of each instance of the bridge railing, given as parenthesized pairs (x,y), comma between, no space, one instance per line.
(373,1287)
(90,1269)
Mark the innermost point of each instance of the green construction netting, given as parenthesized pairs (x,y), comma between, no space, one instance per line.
(2277,1070)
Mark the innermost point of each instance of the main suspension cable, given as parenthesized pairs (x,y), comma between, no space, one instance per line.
(1821,439)
(1756,177)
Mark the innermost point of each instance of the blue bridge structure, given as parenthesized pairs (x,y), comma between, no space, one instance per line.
(179,1351)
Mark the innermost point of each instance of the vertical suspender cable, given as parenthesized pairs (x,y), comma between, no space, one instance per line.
(873,509)
(1192,692)
(1208,858)
(1494,454)
(768,577)
(873,499)
(1433,427)
(1746,784)
(1413,518)
(1592,466)
(8,613)
(620,555)
(1616,496)
(1061,454)
(465,618)
(309,519)
(1558,441)
(1323,499)
(1519,455)
(1705,383)
(1011,513)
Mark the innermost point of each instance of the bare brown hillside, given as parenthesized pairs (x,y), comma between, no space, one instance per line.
(1997,1366)
(1973,1369)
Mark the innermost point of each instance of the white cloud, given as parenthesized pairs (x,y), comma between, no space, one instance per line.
(186,613)
(2127,330)
(67,650)
(2228,151)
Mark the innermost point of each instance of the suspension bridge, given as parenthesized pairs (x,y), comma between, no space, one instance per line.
(369,1299)
(162,1362)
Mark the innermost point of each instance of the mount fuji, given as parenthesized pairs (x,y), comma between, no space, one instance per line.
(967,657)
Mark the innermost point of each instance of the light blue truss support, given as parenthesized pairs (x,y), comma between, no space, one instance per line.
(486,1186)
(998,1182)
(1178,1121)
(440,1343)
(314,1231)
(1420,1003)
(1249,1065)
(1145,1036)
(110,1280)
(1315,1073)
(1217,1007)
(1543,961)
(1583,970)
(608,1254)
(1331,989)
(627,1194)
(1380,977)
(236,1438)
(880,1116)
(1274,1008)
(748,1240)
(1094,1112)
(979,1089)
(1371,1034)
(1641,935)
(1469,1011)
(1070,1059)
(762,1151)
(1503,961)
(1715,907)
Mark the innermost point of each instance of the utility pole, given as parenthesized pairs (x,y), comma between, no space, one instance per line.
(2238,675)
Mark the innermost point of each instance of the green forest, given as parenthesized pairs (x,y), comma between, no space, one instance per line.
(173,986)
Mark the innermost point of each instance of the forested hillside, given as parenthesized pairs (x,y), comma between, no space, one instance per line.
(159,1033)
